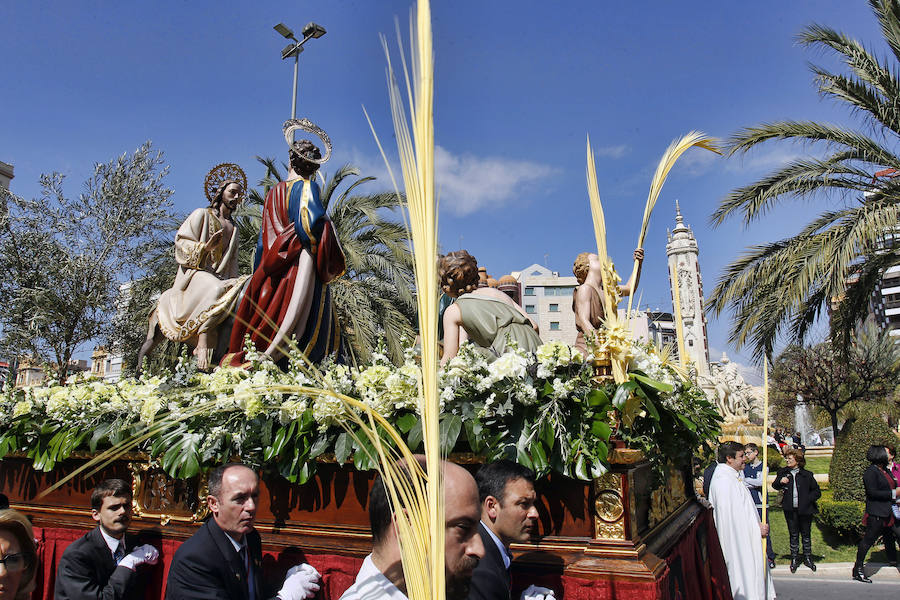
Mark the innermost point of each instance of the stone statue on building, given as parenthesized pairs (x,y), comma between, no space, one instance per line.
(733,396)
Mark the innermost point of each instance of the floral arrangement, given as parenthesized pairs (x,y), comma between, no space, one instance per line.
(542,409)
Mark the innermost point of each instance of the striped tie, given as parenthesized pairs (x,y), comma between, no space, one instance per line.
(119,554)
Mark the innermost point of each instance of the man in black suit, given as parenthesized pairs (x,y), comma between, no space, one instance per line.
(223,559)
(508,514)
(104,562)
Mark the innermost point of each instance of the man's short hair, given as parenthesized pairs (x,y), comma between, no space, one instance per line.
(214,484)
(728,450)
(118,488)
(751,446)
(877,455)
(493,477)
(380,510)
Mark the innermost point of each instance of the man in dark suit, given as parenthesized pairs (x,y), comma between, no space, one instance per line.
(104,562)
(508,514)
(223,559)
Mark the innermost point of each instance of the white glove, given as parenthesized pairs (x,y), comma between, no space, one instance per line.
(300,582)
(535,592)
(142,555)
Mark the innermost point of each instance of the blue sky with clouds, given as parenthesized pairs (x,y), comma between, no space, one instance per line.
(519,86)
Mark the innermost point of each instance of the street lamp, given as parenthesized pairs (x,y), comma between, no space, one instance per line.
(310,31)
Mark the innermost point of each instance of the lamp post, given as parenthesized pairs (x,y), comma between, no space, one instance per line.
(310,31)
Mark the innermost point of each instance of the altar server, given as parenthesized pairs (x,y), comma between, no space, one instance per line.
(106,561)
(739,528)
(223,559)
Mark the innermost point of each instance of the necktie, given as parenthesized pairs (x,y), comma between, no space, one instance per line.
(245,558)
(119,554)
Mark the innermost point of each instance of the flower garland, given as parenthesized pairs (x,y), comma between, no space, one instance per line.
(542,409)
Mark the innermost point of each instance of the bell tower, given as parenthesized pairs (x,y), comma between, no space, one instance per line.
(683,253)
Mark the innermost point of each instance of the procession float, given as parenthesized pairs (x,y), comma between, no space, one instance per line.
(611,428)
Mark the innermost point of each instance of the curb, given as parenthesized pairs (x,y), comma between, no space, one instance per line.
(881,570)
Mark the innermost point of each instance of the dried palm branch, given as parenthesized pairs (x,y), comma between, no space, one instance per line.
(672,153)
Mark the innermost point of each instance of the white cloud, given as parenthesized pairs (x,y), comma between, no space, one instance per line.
(467,183)
(612,151)
(763,160)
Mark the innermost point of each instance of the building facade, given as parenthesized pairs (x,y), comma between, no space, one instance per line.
(685,279)
(547,299)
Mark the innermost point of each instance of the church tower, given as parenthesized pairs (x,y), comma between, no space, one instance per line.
(683,251)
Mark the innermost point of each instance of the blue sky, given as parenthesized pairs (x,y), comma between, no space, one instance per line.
(519,84)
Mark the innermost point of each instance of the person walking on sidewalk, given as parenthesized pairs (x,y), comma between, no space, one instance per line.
(799,503)
(881,496)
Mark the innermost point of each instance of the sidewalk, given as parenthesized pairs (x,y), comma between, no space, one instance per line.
(879,571)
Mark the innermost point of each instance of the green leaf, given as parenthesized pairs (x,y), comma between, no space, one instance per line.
(539,458)
(414,439)
(474,429)
(406,422)
(548,435)
(657,385)
(601,450)
(319,446)
(523,459)
(601,429)
(651,409)
(450,427)
(686,422)
(342,447)
(581,468)
(597,397)
(623,392)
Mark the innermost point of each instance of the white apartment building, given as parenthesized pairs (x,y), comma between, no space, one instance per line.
(547,298)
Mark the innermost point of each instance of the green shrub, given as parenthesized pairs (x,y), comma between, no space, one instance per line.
(844,518)
(849,460)
(774,460)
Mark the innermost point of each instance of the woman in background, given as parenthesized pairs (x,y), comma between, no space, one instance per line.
(799,503)
(18,555)
(881,494)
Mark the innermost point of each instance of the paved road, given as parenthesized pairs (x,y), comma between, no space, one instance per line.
(832,582)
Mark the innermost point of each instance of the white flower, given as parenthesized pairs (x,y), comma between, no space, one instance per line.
(511,365)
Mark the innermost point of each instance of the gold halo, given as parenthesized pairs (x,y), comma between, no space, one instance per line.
(224,172)
(292,125)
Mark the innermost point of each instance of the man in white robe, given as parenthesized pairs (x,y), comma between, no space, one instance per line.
(739,528)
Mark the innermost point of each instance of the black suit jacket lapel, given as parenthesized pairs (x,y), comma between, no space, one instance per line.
(105,562)
(237,577)
(492,554)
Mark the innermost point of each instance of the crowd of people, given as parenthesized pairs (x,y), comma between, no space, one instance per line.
(734,486)
(484,514)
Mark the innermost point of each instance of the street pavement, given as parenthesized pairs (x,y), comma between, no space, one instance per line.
(832,581)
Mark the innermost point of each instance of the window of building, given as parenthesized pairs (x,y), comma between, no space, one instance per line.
(554,308)
(529,291)
(554,325)
(530,309)
(562,290)
(536,273)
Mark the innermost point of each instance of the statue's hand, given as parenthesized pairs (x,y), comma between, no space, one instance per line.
(214,240)
(639,255)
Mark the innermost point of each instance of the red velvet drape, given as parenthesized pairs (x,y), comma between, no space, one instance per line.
(695,570)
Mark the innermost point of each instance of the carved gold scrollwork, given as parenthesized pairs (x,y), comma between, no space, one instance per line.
(609,509)
(157,496)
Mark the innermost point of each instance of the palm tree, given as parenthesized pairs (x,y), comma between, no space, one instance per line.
(375,298)
(836,260)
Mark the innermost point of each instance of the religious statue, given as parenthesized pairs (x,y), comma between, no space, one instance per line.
(288,302)
(587,301)
(733,396)
(484,315)
(207,285)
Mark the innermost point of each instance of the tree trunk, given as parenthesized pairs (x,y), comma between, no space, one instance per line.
(834,425)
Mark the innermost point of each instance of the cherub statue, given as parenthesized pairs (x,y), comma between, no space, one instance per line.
(207,284)
(486,316)
(587,301)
